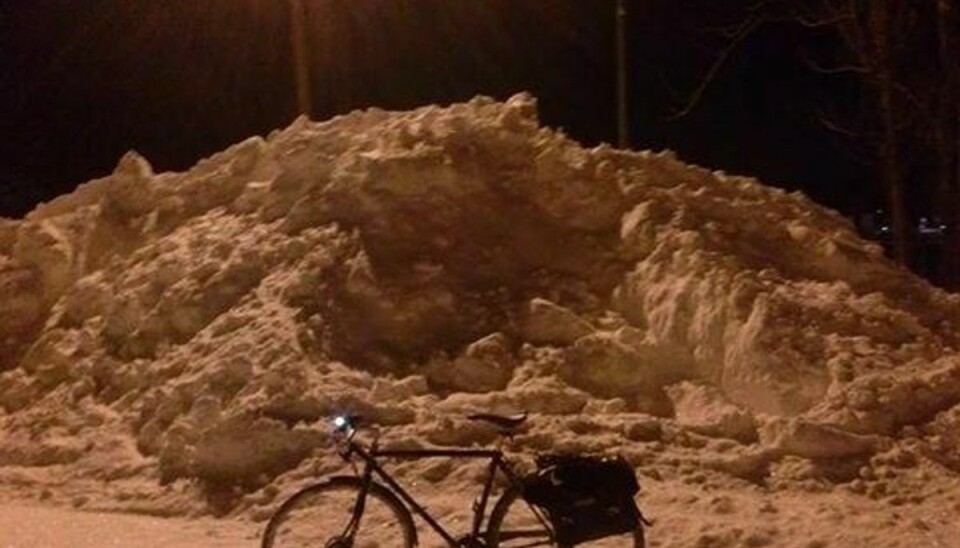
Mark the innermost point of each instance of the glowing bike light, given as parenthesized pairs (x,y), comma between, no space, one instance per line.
(340,422)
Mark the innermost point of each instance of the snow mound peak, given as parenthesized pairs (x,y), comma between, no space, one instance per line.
(415,265)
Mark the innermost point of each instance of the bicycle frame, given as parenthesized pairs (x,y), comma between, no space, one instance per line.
(372,468)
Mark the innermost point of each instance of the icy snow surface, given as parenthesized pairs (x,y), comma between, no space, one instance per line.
(170,342)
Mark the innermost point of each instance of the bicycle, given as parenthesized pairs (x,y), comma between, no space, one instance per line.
(372,511)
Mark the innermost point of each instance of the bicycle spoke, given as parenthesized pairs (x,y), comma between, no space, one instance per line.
(324,518)
(520,526)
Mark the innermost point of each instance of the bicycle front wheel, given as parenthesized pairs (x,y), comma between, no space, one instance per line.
(514,523)
(322,516)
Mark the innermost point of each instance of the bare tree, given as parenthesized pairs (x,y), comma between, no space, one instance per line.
(875,36)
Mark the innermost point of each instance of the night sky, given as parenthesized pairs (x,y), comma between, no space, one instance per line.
(83,81)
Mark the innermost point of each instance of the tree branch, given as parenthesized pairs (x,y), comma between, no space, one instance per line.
(817,23)
(815,66)
(836,127)
(694,99)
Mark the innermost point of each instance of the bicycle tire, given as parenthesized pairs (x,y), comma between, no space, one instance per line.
(535,532)
(322,528)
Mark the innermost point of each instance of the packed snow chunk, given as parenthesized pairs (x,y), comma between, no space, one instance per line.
(605,366)
(882,403)
(214,183)
(567,187)
(772,367)
(22,310)
(377,318)
(19,451)
(541,395)
(50,251)
(460,433)
(683,298)
(173,288)
(704,410)
(750,464)
(485,365)
(644,429)
(235,451)
(638,229)
(944,439)
(55,357)
(18,389)
(8,237)
(796,436)
(37,437)
(385,390)
(544,322)
(129,191)
(548,396)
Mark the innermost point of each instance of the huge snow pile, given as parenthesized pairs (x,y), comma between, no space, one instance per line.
(414,266)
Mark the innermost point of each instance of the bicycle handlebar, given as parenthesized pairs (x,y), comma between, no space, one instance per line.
(346,423)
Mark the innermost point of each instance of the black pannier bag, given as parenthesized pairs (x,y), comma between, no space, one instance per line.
(585,497)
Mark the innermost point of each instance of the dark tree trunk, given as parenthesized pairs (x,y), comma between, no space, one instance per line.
(879,21)
(947,130)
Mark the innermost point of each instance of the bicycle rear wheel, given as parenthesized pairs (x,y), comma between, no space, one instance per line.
(322,516)
(514,523)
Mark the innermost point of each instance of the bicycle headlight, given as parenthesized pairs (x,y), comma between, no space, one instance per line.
(340,422)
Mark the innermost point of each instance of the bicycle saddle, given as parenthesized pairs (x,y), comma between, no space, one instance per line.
(507,422)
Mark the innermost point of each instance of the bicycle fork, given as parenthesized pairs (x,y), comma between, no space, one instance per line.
(351,529)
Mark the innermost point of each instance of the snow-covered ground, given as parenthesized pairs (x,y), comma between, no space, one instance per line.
(28,525)
(172,343)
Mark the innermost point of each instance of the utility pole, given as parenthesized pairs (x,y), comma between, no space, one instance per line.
(623,136)
(301,61)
